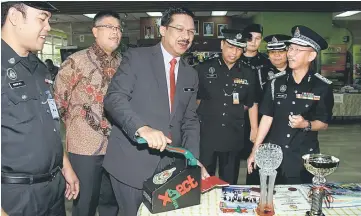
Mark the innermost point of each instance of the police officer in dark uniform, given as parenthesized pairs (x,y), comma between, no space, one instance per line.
(226,86)
(260,66)
(32,160)
(295,107)
(277,52)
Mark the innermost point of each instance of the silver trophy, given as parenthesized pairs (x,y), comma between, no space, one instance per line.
(320,165)
(268,158)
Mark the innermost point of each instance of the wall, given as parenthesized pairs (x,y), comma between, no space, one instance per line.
(151,21)
(74,30)
(282,22)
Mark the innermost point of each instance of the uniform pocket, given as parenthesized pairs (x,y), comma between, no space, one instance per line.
(19,105)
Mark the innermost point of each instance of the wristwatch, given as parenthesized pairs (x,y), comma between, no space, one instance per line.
(309,126)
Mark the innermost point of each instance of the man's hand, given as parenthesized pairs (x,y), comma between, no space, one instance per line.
(155,138)
(297,121)
(253,135)
(204,172)
(72,182)
(251,163)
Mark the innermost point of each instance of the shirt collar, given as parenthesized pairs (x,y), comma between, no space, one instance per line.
(167,56)
(99,52)
(306,79)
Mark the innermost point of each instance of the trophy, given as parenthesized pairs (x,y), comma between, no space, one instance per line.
(320,165)
(268,158)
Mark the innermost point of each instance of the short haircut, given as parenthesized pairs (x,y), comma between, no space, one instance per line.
(5,9)
(102,14)
(168,14)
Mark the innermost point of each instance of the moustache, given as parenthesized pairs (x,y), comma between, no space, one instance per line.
(184,41)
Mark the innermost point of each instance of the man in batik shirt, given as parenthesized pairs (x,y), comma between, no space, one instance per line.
(80,87)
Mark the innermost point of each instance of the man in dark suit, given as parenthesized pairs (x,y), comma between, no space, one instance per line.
(153,95)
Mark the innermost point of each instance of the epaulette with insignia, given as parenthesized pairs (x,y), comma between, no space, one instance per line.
(277,75)
(323,79)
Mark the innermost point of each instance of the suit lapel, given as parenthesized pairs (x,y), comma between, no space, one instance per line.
(179,86)
(158,69)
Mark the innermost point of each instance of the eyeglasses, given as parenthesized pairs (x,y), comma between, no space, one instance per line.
(182,30)
(111,27)
(296,50)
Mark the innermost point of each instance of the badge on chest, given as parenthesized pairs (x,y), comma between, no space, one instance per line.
(308,96)
(211,73)
(240,81)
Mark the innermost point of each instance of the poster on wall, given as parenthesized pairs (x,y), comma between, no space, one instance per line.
(148,32)
(208,28)
(333,63)
(220,28)
(357,64)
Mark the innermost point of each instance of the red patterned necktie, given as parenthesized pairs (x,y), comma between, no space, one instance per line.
(173,62)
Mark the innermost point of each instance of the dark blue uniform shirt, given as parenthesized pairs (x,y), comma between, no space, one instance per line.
(30,138)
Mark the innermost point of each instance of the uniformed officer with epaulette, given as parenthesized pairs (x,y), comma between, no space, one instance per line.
(260,65)
(226,86)
(277,54)
(295,107)
(33,166)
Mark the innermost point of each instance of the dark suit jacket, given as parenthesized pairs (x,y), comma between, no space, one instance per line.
(138,96)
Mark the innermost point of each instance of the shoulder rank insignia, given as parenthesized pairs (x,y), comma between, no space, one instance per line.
(323,79)
(277,75)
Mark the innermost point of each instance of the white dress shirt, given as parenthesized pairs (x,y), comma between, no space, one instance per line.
(167,58)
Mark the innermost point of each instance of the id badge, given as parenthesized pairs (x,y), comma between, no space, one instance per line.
(235,98)
(53,108)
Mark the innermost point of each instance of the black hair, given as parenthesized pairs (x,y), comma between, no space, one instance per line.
(102,14)
(168,14)
(5,9)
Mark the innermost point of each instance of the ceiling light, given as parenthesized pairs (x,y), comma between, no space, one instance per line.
(347,13)
(219,13)
(90,15)
(154,14)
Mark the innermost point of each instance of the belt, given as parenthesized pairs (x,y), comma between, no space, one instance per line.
(9,178)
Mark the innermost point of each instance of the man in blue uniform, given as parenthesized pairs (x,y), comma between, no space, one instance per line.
(295,107)
(226,87)
(33,166)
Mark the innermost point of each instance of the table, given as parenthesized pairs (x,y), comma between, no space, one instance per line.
(210,206)
(347,104)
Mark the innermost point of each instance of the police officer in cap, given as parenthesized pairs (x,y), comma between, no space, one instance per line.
(277,53)
(33,165)
(295,107)
(226,86)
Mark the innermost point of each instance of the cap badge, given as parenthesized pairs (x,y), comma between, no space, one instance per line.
(274,40)
(239,36)
(297,32)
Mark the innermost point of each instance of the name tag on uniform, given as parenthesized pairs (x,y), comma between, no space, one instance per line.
(281,96)
(188,89)
(211,76)
(235,98)
(53,108)
(17,84)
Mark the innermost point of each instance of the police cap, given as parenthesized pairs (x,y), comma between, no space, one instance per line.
(277,41)
(305,36)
